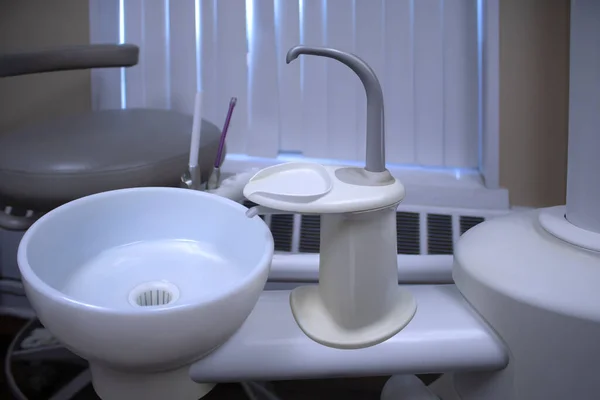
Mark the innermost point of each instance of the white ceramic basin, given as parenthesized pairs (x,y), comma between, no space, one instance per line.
(142,282)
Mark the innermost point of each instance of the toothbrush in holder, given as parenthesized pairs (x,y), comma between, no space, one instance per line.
(215,178)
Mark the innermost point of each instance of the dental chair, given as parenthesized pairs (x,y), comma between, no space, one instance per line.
(47,164)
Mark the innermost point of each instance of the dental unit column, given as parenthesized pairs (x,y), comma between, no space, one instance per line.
(583,185)
(358,302)
(533,276)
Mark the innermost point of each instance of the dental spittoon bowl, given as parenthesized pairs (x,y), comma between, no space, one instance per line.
(142,282)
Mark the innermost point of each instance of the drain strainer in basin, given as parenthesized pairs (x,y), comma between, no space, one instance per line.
(154,294)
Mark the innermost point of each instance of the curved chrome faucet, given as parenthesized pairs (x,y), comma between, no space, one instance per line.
(375,158)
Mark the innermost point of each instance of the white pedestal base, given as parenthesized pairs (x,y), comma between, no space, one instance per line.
(318,324)
(111,384)
(358,302)
(540,294)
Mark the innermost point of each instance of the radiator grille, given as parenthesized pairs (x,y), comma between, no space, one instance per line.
(416,232)
(467,223)
(408,233)
(439,234)
(310,234)
(282,228)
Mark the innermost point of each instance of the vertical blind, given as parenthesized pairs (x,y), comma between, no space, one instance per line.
(425,53)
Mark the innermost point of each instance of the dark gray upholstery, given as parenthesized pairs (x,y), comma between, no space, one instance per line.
(69,58)
(48,164)
(45,165)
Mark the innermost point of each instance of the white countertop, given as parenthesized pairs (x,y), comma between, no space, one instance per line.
(445,335)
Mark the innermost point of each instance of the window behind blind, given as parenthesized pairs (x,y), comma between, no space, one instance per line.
(425,53)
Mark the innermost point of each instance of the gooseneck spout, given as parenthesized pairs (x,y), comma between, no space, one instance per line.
(375,158)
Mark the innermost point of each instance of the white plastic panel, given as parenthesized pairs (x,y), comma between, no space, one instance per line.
(412,269)
(445,335)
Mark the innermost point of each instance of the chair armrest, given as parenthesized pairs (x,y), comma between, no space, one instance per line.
(69,58)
